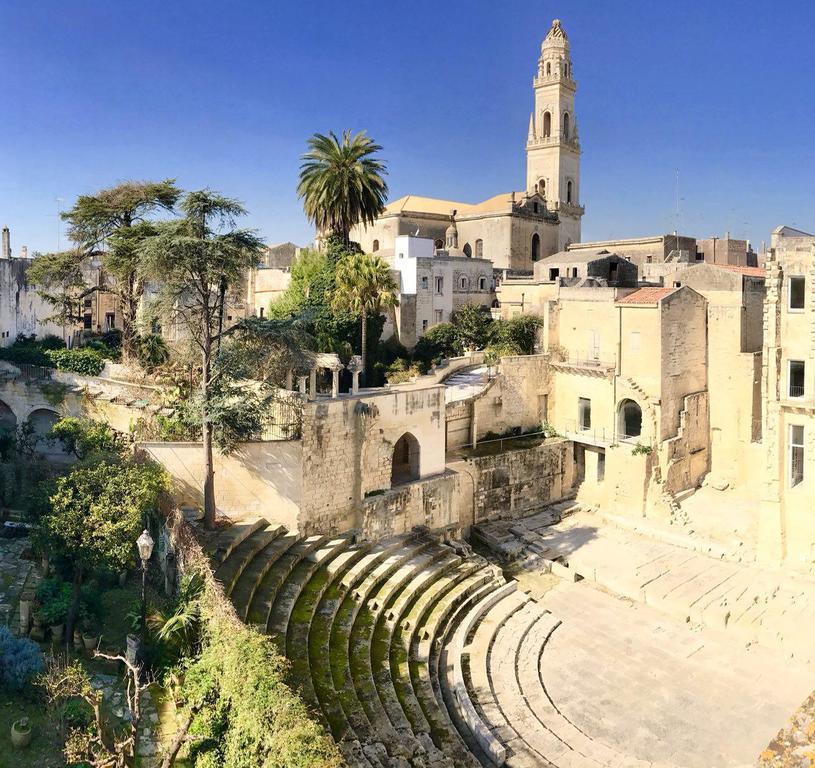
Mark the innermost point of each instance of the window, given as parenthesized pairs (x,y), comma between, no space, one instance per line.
(796,378)
(569,192)
(796,291)
(634,342)
(110,320)
(88,322)
(438,244)
(535,206)
(463,283)
(548,67)
(583,413)
(574,271)
(482,283)
(375,246)
(424,325)
(437,315)
(536,246)
(554,273)
(88,302)
(479,249)
(547,124)
(424,283)
(542,187)
(468,251)
(796,454)
(439,284)
(612,272)
(565,125)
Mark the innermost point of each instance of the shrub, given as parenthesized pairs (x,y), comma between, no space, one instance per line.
(401,370)
(54,597)
(83,437)
(152,351)
(516,336)
(473,324)
(109,353)
(77,713)
(439,342)
(20,660)
(88,362)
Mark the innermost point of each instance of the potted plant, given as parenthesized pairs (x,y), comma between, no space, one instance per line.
(90,637)
(53,614)
(21,733)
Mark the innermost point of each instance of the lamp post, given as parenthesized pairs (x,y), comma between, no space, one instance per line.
(145,544)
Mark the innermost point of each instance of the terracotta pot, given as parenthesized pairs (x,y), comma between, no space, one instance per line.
(56,633)
(89,641)
(21,733)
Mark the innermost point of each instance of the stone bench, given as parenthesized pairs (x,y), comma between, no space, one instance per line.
(232,566)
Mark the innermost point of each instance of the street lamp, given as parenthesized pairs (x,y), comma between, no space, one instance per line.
(145,544)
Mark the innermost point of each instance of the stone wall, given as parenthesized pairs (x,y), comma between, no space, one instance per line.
(516,398)
(686,457)
(517,482)
(256,479)
(348,447)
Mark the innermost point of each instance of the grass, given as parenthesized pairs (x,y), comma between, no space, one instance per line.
(45,750)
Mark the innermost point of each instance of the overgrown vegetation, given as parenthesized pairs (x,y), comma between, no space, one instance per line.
(471,327)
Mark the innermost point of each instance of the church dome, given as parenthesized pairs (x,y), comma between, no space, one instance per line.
(451,234)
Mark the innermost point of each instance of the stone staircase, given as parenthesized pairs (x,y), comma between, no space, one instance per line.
(414,655)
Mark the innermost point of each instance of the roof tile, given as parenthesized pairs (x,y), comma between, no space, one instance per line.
(647,296)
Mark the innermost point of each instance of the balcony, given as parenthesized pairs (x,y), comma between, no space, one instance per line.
(796,391)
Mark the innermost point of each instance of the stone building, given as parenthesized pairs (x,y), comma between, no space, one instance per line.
(514,229)
(22,311)
(787,522)
(433,284)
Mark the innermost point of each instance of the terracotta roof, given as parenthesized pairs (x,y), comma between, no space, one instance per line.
(749,271)
(647,296)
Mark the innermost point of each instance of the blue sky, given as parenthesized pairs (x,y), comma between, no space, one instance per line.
(225,94)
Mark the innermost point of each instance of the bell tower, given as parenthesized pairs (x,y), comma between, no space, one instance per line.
(552,147)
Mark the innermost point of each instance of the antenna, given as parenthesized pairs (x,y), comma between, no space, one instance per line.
(59,201)
(677,202)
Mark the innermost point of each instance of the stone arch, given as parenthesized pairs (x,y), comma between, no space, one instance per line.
(468,251)
(495,304)
(438,244)
(479,248)
(542,187)
(566,125)
(629,419)
(405,465)
(547,124)
(463,283)
(375,246)
(41,420)
(536,246)
(8,421)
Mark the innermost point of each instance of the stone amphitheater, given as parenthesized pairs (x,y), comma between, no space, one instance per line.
(417,651)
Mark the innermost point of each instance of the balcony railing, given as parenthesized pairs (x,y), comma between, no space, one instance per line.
(796,391)
(586,363)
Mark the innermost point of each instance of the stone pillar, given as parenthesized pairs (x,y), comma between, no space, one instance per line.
(289,380)
(335,383)
(312,384)
(354,382)
(301,382)
(25,617)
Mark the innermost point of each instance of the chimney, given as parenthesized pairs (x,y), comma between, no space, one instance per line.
(5,250)
(24,252)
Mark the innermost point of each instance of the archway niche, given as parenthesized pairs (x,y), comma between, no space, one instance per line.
(41,420)
(536,247)
(629,419)
(405,464)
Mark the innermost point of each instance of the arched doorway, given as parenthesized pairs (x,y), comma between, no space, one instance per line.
(536,247)
(405,465)
(41,421)
(629,420)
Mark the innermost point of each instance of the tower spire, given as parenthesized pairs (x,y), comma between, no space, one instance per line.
(552,148)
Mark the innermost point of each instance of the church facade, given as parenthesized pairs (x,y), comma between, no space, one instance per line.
(515,229)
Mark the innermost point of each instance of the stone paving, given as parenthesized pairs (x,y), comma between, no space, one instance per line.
(14,573)
(660,690)
(773,607)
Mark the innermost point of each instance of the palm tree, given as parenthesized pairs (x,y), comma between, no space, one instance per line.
(364,286)
(341,182)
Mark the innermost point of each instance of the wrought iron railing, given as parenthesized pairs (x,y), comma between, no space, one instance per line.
(284,418)
(796,391)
